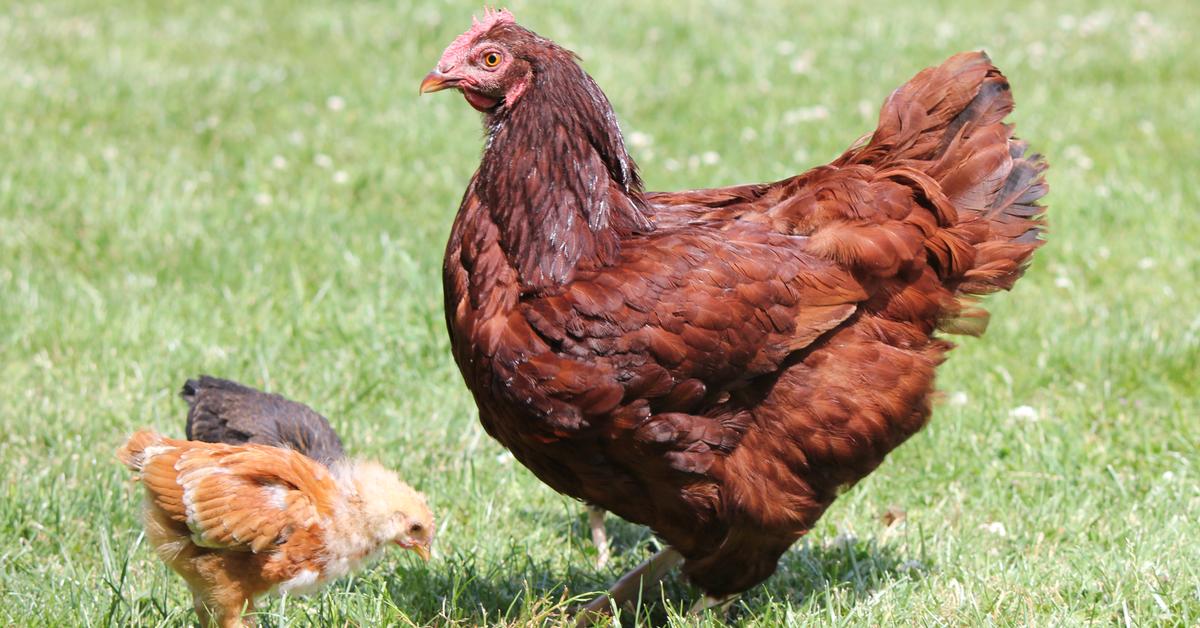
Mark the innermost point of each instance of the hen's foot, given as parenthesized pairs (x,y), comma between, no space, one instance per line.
(630,586)
(599,535)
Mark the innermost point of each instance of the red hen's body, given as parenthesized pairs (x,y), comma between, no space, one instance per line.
(716,364)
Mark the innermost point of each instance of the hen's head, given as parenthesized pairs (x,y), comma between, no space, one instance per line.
(392,511)
(492,64)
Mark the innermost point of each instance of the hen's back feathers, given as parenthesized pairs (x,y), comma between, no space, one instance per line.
(223,411)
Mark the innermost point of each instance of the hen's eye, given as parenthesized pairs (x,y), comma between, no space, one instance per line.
(491,59)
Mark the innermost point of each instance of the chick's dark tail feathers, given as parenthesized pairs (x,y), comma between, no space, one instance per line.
(943,133)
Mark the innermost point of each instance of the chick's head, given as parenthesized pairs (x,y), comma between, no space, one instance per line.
(394,511)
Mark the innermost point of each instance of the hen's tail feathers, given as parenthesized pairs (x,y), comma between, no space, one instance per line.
(133,453)
(943,134)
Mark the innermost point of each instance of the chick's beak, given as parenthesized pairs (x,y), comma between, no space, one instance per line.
(419,548)
(436,81)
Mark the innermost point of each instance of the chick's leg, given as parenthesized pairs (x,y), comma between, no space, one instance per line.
(226,590)
(202,614)
(630,586)
(225,613)
(599,534)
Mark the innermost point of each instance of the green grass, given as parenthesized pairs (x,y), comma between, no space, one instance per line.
(180,193)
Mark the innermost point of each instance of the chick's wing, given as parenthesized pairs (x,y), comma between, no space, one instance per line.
(245,498)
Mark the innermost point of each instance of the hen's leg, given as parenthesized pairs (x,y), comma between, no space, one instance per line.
(630,586)
(599,535)
(721,604)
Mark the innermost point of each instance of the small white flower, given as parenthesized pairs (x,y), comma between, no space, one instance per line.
(1168,476)
(944,30)
(803,63)
(959,398)
(504,458)
(749,134)
(710,157)
(638,139)
(335,103)
(278,162)
(1081,159)
(866,109)
(805,114)
(994,527)
(671,165)
(109,153)
(262,199)
(341,177)
(1104,252)
(322,160)
(844,540)
(1095,22)
(785,47)
(1063,281)
(1024,413)
(296,137)
(1146,263)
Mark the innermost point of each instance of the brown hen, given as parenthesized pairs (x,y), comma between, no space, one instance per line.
(237,522)
(717,364)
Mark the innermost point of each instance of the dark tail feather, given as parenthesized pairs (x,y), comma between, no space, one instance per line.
(189,391)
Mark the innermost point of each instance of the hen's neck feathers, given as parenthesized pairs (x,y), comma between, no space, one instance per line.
(556,178)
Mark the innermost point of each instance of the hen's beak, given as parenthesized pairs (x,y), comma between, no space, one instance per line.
(422,551)
(436,81)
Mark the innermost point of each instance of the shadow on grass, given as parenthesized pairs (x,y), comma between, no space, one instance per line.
(842,571)
(466,589)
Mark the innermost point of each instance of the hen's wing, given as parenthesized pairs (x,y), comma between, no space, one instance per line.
(223,411)
(686,315)
(245,498)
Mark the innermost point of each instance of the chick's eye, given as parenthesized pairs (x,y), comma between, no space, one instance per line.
(416,528)
(491,59)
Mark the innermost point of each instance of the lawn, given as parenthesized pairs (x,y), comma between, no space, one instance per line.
(253,189)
